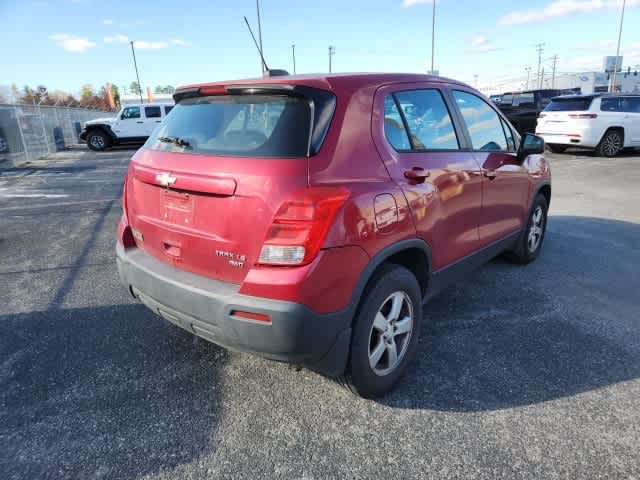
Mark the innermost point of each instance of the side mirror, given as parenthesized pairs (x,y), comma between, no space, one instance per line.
(530,145)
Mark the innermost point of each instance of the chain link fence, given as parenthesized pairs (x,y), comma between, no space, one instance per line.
(29,132)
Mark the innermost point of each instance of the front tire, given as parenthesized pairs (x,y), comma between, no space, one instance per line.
(385,333)
(98,141)
(530,242)
(611,144)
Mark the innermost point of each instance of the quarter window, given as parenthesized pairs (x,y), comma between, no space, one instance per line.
(152,112)
(482,121)
(131,112)
(428,120)
(509,133)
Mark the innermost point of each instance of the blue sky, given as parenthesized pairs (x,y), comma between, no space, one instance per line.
(66,43)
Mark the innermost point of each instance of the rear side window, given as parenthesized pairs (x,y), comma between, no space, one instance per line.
(482,121)
(610,104)
(237,125)
(526,99)
(394,126)
(569,104)
(167,109)
(428,120)
(630,104)
(152,112)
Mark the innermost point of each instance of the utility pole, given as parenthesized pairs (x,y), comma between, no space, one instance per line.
(528,70)
(542,78)
(433,36)
(475,81)
(332,51)
(260,35)
(615,68)
(553,74)
(539,49)
(135,64)
(293,54)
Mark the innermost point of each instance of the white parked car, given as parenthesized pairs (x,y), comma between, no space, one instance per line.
(606,122)
(132,124)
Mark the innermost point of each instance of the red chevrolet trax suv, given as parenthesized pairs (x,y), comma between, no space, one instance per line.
(308,218)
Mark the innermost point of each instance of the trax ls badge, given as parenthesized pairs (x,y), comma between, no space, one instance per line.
(165,179)
(235,260)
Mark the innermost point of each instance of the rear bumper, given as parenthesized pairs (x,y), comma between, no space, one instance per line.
(584,139)
(204,307)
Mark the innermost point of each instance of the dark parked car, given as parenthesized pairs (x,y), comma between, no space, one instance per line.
(522,108)
(307,218)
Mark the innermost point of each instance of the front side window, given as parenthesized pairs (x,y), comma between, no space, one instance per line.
(237,125)
(483,123)
(428,120)
(130,112)
(152,112)
(610,104)
(394,126)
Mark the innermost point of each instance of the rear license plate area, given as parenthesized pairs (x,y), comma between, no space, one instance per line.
(177,207)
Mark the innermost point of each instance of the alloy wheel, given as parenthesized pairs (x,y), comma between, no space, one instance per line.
(390,333)
(97,141)
(536,229)
(611,144)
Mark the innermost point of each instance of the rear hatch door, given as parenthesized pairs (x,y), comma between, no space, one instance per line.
(203,191)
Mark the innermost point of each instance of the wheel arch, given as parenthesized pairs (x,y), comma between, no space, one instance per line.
(545,190)
(102,127)
(413,254)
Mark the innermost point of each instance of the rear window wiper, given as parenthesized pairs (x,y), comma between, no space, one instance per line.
(176,141)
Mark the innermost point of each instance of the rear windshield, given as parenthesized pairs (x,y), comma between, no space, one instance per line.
(569,104)
(237,125)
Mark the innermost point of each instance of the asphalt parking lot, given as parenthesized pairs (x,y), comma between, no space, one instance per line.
(522,372)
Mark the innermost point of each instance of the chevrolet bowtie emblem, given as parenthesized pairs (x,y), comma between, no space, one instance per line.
(165,179)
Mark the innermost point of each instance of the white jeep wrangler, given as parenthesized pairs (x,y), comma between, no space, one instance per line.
(132,124)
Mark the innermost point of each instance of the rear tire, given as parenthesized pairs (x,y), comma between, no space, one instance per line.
(98,141)
(385,333)
(557,148)
(530,242)
(611,144)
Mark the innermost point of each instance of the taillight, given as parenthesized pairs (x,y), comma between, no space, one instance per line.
(300,226)
(583,115)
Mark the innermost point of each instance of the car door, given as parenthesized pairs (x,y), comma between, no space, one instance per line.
(425,156)
(506,182)
(130,123)
(630,106)
(153,117)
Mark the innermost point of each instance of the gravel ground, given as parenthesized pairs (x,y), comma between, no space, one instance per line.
(522,372)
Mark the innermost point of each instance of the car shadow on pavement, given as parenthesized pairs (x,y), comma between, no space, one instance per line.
(103,392)
(513,335)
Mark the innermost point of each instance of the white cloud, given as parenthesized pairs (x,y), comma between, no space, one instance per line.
(107,21)
(116,39)
(180,42)
(143,44)
(561,8)
(71,43)
(481,43)
(411,3)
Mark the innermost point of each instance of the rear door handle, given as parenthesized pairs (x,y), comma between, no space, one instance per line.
(490,174)
(158,121)
(416,174)
(139,121)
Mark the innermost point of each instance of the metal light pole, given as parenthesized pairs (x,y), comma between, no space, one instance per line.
(260,34)
(332,51)
(528,70)
(615,68)
(293,54)
(135,64)
(433,36)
